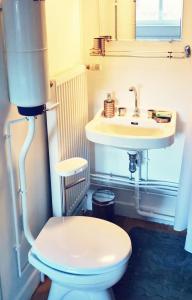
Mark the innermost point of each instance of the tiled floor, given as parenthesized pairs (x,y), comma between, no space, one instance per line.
(126,224)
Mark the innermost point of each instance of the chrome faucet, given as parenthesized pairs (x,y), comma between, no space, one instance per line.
(136,110)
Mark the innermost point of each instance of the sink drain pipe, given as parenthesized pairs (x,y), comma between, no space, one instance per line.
(132,161)
(135,167)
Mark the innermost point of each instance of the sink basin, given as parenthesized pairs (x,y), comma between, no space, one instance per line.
(131,133)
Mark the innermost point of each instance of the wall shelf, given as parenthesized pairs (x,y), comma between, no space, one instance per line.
(99,49)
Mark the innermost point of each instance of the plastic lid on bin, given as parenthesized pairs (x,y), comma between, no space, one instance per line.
(103,196)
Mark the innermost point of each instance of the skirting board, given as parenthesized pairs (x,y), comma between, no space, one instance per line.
(29,287)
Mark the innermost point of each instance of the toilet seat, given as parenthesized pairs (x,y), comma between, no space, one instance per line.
(77,279)
(82,245)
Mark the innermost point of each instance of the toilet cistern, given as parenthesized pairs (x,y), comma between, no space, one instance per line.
(136,110)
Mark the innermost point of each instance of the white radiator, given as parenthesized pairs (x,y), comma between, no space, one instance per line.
(66,134)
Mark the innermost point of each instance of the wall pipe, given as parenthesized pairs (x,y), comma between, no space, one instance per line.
(23,190)
(13,192)
(186,53)
(22,175)
(170,186)
(144,213)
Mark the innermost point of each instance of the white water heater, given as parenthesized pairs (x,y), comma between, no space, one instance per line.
(26,50)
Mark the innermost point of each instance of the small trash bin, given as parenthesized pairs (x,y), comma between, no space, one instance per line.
(103,202)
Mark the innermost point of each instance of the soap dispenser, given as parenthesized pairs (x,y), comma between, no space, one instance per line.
(109,107)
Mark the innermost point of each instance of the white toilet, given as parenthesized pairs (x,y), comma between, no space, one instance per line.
(83,256)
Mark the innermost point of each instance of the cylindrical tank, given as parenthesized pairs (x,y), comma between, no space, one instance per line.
(26,50)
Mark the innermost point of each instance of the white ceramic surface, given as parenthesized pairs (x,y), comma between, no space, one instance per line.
(127,132)
(82,245)
(80,286)
(71,166)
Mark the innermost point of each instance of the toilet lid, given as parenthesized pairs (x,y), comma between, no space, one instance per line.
(82,245)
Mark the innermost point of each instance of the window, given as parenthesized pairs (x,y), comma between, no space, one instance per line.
(159,19)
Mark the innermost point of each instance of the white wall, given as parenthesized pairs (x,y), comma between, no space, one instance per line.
(39,201)
(161,83)
(63,30)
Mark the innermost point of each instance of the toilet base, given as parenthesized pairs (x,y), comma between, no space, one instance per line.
(69,286)
(61,293)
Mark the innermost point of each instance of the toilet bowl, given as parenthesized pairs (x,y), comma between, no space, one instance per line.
(83,256)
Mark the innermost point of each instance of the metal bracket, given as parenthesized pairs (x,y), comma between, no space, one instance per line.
(187,50)
(75,183)
(51,106)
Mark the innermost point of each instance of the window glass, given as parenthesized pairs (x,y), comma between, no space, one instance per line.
(159,19)
(147,10)
(172,10)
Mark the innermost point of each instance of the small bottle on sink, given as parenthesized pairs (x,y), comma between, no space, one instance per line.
(109,107)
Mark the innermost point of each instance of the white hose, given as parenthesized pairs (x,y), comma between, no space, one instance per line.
(22,175)
(13,192)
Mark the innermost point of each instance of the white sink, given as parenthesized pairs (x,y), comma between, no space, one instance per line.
(131,133)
